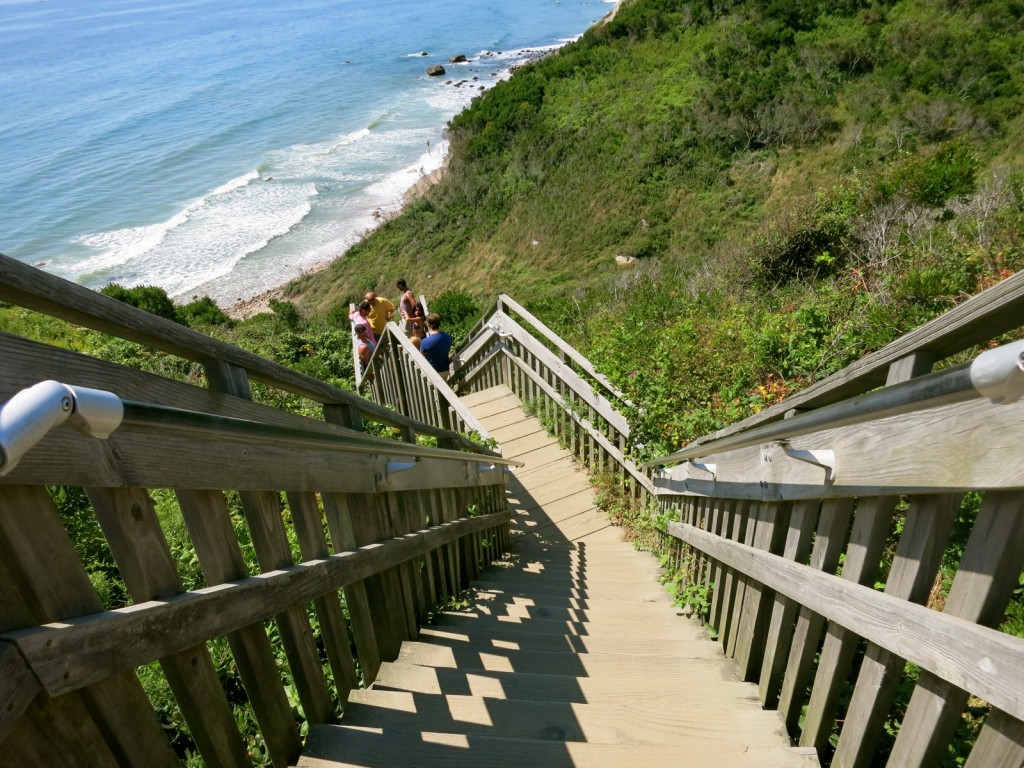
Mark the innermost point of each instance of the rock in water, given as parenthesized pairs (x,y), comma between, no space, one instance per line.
(458,58)
(435,70)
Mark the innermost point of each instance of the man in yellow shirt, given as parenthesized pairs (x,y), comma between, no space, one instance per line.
(380,313)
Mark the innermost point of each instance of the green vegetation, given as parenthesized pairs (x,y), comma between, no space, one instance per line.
(797,182)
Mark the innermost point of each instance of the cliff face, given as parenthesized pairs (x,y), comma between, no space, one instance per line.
(693,136)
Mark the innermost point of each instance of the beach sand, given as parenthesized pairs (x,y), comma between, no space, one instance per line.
(246,308)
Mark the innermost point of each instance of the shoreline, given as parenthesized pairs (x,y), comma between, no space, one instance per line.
(250,306)
(260,303)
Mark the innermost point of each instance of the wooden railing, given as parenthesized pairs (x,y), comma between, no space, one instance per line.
(820,547)
(326,512)
(856,557)
(580,409)
(25,286)
(570,358)
(400,377)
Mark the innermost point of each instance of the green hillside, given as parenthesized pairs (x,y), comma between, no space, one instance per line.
(796,181)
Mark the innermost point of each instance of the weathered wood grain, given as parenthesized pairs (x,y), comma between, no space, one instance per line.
(860,565)
(954,448)
(206,517)
(926,530)
(966,655)
(137,542)
(46,573)
(988,573)
(333,628)
(803,517)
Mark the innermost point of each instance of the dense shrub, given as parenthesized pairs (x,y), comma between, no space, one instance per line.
(146,297)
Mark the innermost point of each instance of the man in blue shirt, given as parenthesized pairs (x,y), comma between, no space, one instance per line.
(436,346)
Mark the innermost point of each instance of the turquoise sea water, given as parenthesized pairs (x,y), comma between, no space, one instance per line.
(223,147)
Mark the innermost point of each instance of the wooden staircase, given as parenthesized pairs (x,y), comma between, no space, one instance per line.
(569,654)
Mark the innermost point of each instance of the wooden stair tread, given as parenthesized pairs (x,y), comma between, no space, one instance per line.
(560,721)
(570,652)
(364,747)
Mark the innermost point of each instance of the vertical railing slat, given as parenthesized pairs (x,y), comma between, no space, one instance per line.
(919,551)
(137,542)
(333,630)
(830,538)
(209,525)
(988,573)
(802,520)
(864,553)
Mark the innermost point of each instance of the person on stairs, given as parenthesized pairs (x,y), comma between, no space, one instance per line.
(436,346)
(380,313)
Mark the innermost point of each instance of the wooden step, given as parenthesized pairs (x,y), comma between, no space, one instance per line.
(657,645)
(558,721)
(689,661)
(525,637)
(570,653)
(368,747)
(722,686)
(644,591)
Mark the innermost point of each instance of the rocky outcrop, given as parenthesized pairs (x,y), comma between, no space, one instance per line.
(458,58)
(435,70)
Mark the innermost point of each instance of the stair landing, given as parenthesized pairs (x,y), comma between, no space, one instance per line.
(569,654)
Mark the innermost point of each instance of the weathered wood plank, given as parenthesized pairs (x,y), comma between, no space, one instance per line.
(772,523)
(76,651)
(829,539)
(333,628)
(46,573)
(124,460)
(208,522)
(925,533)
(988,573)
(565,350)
(137,542)
(802,520)
(923,454)
(263,514)
(18,688)
(945,645)
(863,554)
(1000,743)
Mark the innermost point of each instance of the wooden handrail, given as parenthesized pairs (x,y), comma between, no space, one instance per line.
(396,338)
(942,644)
(498,309)
(397,542)
(81,651)
(564,348)
(34,289)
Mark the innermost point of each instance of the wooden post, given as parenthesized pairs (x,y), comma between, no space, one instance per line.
(918,554)
(137,543)
(981,589)
(828,544)
(867,539)
(262,512)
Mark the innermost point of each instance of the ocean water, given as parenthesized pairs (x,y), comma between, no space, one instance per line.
(223,147)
